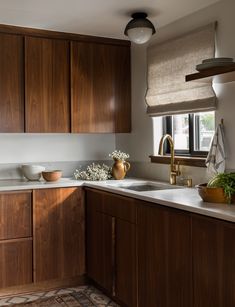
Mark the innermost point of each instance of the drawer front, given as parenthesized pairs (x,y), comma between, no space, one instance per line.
(120,207)
(15,215)
(112,204)
(15,263)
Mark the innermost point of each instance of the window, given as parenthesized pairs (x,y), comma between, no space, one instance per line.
(192,133)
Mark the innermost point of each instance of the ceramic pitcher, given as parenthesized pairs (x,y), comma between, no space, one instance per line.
(120,168)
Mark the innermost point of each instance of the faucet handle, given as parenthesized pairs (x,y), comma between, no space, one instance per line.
(178,172)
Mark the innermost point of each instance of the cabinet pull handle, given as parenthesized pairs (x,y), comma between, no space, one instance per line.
(113,256)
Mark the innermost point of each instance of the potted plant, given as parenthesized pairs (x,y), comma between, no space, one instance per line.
(220,189)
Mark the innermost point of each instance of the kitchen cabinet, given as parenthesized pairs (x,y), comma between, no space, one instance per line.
(125,262)
(164,257)
(111,236)
(52,82)
(15,207)
(100,88)
(15,262)
(47,88)
(99,247)
(213,262)
(11,83)
(59,234)
(15,239)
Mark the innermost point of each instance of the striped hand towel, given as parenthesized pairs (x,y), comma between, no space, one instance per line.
(215,160)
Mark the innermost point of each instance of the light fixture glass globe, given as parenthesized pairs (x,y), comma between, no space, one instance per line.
(140,35)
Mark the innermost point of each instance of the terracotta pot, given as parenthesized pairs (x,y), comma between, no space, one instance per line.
(212,195)
(120,168)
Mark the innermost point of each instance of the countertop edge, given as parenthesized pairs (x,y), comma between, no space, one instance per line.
(190,204)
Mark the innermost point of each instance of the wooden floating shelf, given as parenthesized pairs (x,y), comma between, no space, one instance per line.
(220,74)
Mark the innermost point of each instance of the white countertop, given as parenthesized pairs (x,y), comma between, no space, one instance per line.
(21,184)
(180,198)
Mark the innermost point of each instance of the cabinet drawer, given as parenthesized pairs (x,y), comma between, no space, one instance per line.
(15,215)
(15,262)
(112,204)
(120,207)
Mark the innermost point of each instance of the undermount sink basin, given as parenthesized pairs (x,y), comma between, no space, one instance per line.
(144,187)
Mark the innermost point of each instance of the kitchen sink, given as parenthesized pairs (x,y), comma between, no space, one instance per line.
(144,187)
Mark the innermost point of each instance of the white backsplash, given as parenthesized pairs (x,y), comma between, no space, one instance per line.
(155,171)
(13,170)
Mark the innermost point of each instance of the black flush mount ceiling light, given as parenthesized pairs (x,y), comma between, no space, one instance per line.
(139,29)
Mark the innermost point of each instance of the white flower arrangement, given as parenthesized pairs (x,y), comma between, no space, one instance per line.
(119,155)
(94,172)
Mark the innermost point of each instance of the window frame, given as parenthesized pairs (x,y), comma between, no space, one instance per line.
(191,152)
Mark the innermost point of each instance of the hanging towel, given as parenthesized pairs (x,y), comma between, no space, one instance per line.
(215,160)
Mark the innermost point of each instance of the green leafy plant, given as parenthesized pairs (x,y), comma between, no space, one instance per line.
(225,181)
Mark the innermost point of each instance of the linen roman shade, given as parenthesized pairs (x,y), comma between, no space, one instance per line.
(169,63)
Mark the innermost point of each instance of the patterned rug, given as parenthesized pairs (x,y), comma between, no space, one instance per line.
(85,296)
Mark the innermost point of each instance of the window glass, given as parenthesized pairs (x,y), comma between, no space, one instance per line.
(192,133)
(204,127)
(180,128)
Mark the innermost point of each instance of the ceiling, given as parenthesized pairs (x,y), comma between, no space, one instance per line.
(94,17)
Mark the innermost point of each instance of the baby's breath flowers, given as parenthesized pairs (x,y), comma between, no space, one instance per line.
(119,155)
(94,172)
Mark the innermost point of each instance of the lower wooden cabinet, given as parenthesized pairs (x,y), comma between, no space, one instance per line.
(15,262)
(99,248)
(125,262)
(164,257)
(15,239)
(59,234)
(213,262)
(141,254)
(51,246)
(15,207)
(111,245)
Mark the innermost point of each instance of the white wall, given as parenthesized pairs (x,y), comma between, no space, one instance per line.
(22,148)
(140,142)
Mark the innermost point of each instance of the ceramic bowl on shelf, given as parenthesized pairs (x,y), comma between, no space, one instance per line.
(204,66)
(32,172)
(52,175)
(220,59)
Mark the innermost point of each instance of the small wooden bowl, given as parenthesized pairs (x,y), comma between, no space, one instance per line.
(52,175)
(212,195)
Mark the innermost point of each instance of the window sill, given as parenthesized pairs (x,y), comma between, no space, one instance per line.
(189,161)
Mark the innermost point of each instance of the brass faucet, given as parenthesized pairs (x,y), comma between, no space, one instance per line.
(174,172)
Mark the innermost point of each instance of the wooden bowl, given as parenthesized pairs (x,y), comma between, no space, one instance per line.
(52,175)
(212,195)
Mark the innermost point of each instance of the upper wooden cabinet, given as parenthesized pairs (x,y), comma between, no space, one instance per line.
(100,88)
(52,82)
(11,83)
(47,90)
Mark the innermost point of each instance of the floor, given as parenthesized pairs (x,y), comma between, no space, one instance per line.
(94,297)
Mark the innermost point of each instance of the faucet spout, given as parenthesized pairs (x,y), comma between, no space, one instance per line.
(167,137)
(174,172)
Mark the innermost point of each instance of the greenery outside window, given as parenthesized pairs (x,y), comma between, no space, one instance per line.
(192,133)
